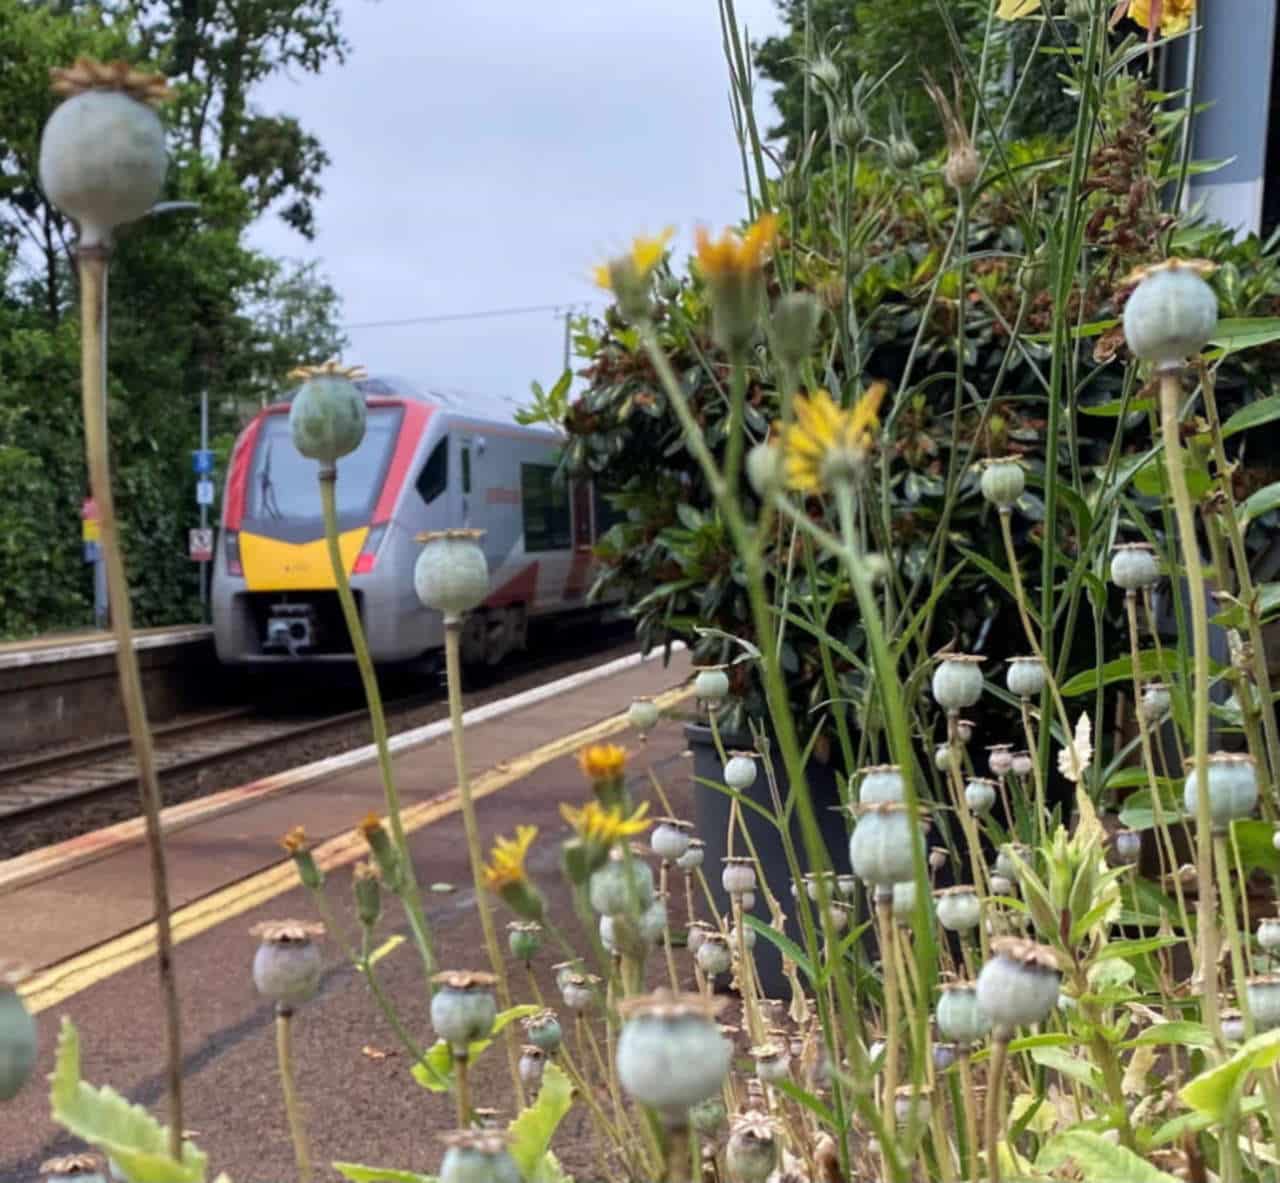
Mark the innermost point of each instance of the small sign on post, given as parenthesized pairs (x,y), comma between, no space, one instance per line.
(90,530)
(200,544)
(204,492)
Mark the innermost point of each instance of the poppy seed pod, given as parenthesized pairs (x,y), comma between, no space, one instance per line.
(478,1156)
(751,1154)
(739,875)
(287,965)
(764,468)
(1134,566)
(1025,676)
(17,1038)
(904,901)
(76,1168)
(532,1061)
(670,1053)
(944,1055)
(1264,1001)
(1127,845)
(880,847)
(771,1061)
(958,908)
(692,858)
(847,885)
(1155,701)
(1019,983)
(643,714)
(1021,764)
(740,771)
(713,956)
(102,152)
(1003,482)
(964,730)
(1000,758)
(1008,858)
(881,783)
(463,1007)
(712,684)
(957,682)
(1171,314)
(670,838)
(579,991)
(739,937)
(696,933)
(1002,885)
(621,885)
(1233,1029)
(543,1030)
(980,794)
(911,1104)
(327,416)
(1269,933)
(959,1017)
(451,575)
(945,758)
(1233,788)
(524,938)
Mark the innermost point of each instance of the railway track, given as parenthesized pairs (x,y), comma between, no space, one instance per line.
(50,797)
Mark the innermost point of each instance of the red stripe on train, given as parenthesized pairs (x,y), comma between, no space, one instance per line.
(416,417)
(238,474)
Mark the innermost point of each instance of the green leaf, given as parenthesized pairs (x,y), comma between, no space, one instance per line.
(1235,334)
(359,1173)
(1152,479)
(1121,670)
(1262,501)
(1113,409)
(1213,1091)
(435,1071)
(1253,841)
(1267,606)
(1135,948)
(124,1132)
(532,1130)
(1077,1069)
(1003,578)
(1096,1158)
(1253,415)
(785,945)
(1178,1031)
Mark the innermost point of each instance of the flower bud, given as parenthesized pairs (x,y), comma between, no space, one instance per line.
(825,74)
(1003,482)
(903,154)
(795,326)
(670,1053)
(384,854)
(957,682)
(1171,314)
(295,843)
(287,965)
(368,892)
(463,1008)
(849,129)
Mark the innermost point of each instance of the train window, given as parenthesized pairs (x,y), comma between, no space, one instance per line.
(466,470)
(545,502)
(434,477)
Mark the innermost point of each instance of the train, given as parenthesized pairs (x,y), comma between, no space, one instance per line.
(428,461)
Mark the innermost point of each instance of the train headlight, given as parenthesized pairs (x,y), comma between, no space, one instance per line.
(231,548)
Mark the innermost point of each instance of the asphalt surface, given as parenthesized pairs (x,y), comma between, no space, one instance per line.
(360,1102)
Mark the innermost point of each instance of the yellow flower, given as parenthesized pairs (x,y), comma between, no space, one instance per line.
(602,761)
(1011,10)
(733,256)
(827,442)
(593,823)
(506,860)
(1173,16)
(646,253)
(295,840)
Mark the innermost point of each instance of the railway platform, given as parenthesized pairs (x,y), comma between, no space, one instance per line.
(80,915)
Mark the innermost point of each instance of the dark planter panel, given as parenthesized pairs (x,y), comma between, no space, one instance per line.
(711,815)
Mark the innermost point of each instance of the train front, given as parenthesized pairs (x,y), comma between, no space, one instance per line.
(275,600)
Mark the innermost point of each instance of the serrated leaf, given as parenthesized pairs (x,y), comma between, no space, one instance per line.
(358,1173)
(124,1132)
(435,1070)
(1097,1158)
(532,1130)
(1213,1091)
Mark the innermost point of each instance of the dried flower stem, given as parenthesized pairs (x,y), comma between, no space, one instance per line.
(1174,460)
(1037,773)
(409,894)
(293,1111)
(995,1078)
(92,264)
(462,1094)
(970,1112)
(888,937)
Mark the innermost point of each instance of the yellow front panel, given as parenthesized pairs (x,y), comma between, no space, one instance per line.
(271,565)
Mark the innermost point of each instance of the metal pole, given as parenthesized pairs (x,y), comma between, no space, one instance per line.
(101,598)
(204,509)
(567,316)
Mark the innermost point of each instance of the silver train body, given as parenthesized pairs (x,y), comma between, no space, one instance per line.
(426,463)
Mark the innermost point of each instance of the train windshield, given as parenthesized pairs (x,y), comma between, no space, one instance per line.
(283,482)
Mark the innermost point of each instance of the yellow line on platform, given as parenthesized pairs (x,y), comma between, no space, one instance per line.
(59,982)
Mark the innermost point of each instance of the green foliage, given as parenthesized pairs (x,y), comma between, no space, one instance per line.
(358,1173)
(1218,1089)
(192,307)
(436,1070)
(531,1132)
(1098,1158)
(126,1133)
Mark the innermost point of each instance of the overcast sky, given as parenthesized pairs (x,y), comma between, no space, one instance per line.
(486,157)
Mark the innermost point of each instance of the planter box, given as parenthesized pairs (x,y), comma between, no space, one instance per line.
(711,815)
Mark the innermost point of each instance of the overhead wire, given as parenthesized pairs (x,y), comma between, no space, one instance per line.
(455,316)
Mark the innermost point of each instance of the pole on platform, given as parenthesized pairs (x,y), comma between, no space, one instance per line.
(204,509)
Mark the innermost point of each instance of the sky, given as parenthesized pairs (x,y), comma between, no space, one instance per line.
(488,156)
